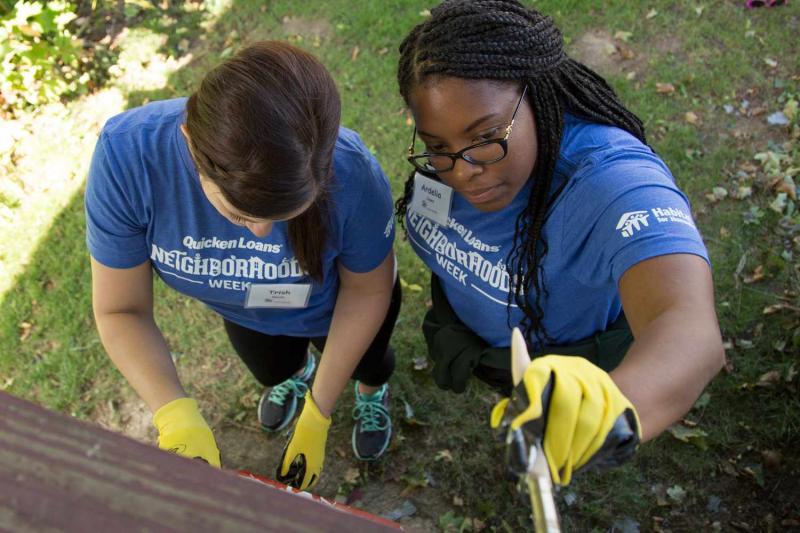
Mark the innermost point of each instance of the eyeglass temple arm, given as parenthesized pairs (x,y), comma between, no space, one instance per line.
(411,144)
(514,116)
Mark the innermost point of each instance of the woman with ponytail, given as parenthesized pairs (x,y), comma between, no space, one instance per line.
(537,203)
(251,198)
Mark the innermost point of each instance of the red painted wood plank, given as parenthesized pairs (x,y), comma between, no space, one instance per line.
(59,473)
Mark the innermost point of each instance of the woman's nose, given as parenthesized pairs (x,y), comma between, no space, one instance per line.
(463,171)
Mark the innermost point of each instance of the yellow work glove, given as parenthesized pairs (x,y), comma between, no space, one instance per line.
(182,430)
(585,418)
(301,462)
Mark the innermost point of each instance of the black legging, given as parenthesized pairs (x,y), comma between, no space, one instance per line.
(274,358)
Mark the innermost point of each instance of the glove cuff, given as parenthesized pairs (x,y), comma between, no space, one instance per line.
(179,413)
(314,412)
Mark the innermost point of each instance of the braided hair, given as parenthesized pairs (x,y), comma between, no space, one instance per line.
(501,40)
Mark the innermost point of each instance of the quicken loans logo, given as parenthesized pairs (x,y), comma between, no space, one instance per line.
(632,222)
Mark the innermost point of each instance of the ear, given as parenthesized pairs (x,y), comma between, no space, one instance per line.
(185,132)
(520,359)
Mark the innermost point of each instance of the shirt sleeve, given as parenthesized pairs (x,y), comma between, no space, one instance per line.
(115,214)
(368,231)
(629,210)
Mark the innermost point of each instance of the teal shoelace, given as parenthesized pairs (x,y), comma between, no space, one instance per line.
(371,412)
(279,392)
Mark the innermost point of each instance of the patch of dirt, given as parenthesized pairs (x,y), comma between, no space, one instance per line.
(598,50)
(316,28)
(377,488)
(129,415)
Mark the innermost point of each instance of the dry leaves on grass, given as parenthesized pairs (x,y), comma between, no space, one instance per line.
(665,88)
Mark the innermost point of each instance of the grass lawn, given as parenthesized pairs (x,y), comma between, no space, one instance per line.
(704,77)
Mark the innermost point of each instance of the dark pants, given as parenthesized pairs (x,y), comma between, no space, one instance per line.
(274,358)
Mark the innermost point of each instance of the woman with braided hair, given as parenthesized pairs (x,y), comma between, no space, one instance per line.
(536,202)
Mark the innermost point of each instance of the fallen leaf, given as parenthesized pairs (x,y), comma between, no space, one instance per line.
(458,501)
(779,203)
(354,53)
(769,379)
(406,509)
(791,374)
(25,329)
(383,51)
(623,36)
(691,117)
(420,363)
(786,185)
(651,14)
(625,525)
(724,232)
(409,417)
(444,455)
(729,467)
(626,52)
(676,493)
(425,13)
(702,401)
(660,493)
(694,436)
(744,191)
(664,88)
(756,472)
(790,109)
(699,10)
(777,119)
(717,194)
(770,62)
(352,475)
(774,308)
(756,275)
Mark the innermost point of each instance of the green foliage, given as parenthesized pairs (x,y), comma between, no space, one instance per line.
(40,57)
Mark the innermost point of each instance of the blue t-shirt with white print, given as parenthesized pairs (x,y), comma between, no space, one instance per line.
(144,202)
(620,206)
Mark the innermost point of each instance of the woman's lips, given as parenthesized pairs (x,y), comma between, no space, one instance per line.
(479,196)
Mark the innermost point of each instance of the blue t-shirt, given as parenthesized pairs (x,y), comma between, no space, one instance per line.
(620,206)
(144,202)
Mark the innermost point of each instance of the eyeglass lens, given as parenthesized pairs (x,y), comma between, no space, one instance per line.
(486,153)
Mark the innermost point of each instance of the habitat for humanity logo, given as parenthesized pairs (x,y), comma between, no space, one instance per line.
(631,222)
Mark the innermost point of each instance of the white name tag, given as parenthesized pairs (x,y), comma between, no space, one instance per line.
(432,199)
(278,295)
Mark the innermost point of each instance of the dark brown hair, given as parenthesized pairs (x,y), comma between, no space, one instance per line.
(263,126)
(501,40)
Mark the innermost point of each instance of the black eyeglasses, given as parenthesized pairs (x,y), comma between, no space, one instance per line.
(482,153)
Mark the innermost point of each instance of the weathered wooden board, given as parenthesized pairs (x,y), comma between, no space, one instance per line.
(58,473)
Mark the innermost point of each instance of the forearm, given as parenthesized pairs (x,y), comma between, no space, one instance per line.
(136,346)
(668,366)
(357,317)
